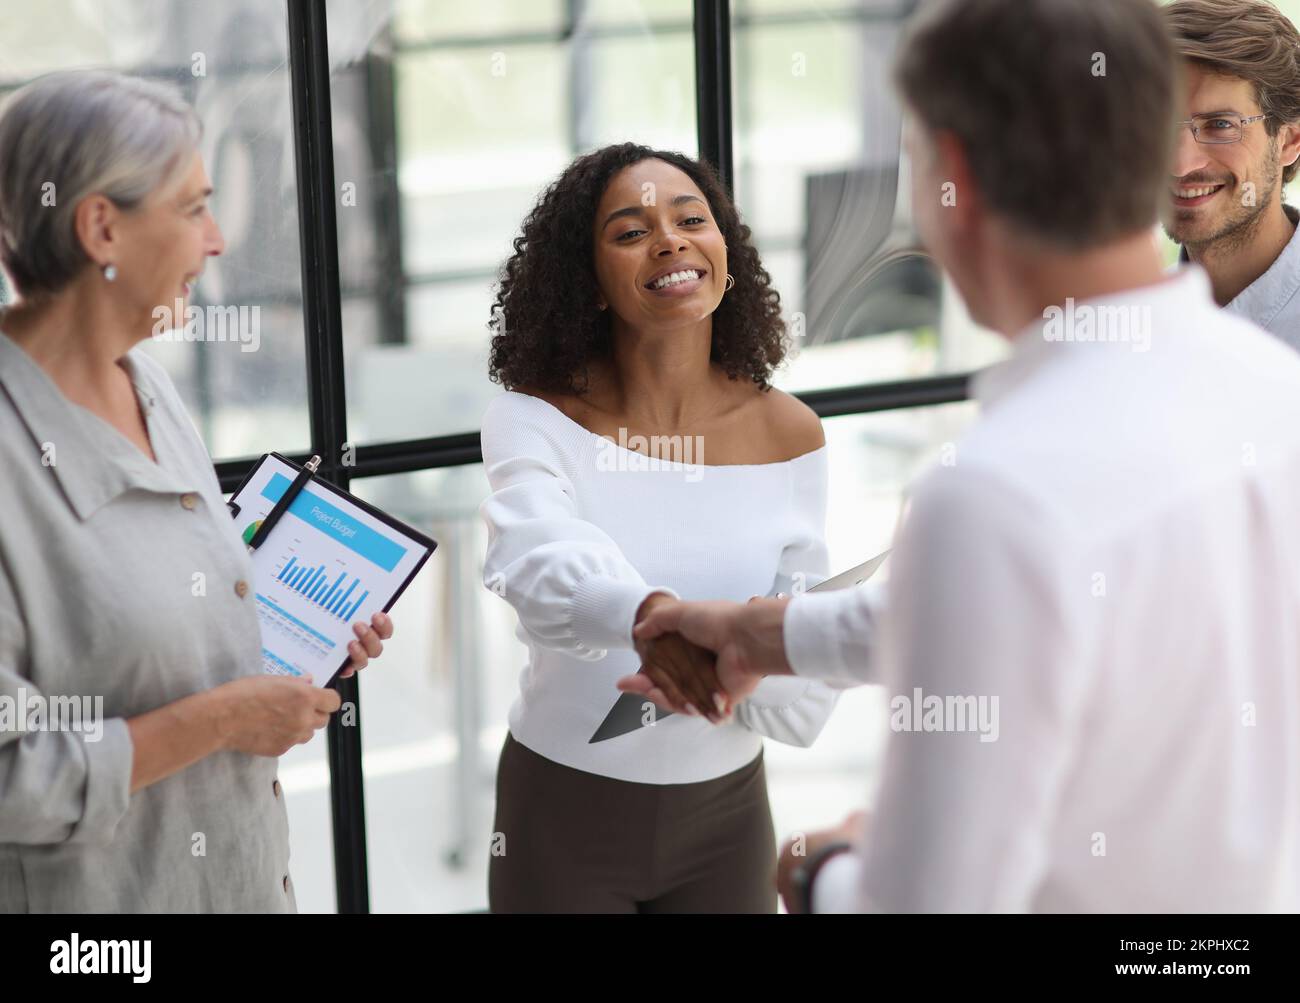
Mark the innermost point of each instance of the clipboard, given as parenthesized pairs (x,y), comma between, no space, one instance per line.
(329,561)
(626,715)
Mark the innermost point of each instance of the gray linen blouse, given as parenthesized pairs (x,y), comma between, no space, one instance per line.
(125,581)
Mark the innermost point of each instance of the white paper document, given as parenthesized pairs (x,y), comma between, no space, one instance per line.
(326,564)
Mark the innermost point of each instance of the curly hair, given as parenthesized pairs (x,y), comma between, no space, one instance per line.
(546,326)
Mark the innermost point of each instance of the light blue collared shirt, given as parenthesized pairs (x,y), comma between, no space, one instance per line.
(1272,301)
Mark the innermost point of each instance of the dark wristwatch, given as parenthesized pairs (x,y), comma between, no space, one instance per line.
(806,873)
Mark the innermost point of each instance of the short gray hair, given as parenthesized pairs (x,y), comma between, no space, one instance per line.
(83,132)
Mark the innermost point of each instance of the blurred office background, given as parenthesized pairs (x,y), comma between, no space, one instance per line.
(448,119)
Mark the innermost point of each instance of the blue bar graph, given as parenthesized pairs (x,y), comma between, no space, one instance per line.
(333,589)
(314,585)
(338,603)
(355,606)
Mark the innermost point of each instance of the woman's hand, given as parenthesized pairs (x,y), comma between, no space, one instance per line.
(369,643)
(748,642)
(269,715)
(682,677)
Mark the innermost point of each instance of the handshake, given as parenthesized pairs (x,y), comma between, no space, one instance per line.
(703,658)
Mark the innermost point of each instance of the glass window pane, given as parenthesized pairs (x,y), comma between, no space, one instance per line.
(241,368)
(441,150)
(389,386)
(821,179)
(651,76)
(620,13)
(804,8)
(478,132)
(432,20)
(448,677)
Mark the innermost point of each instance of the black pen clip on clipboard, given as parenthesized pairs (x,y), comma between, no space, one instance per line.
(286,499)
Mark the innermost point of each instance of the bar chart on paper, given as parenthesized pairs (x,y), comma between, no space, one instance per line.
(326,565)
(318,583)
(336,599)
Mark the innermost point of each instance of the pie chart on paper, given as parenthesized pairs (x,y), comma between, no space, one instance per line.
(251,531)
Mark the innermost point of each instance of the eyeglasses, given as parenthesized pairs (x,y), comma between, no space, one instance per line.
(1215,130)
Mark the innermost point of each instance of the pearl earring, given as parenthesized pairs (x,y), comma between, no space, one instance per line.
(730,282)
(110,273)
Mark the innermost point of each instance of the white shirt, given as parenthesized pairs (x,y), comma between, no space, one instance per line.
(582,530)
(1115,556)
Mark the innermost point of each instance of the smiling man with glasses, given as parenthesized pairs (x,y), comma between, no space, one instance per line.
(1239,149)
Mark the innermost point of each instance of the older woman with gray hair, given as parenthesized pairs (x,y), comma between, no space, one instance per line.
(138,733)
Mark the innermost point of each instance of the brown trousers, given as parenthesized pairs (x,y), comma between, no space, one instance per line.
(570,841)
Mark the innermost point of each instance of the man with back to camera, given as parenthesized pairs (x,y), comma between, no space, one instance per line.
(1089,640)
(1240,148)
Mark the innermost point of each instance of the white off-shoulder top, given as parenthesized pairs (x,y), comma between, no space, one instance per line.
(583,529)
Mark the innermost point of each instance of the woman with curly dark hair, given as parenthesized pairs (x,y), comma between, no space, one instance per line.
(635,325)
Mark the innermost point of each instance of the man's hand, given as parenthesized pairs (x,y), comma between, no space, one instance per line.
(799,848)
(748,640)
